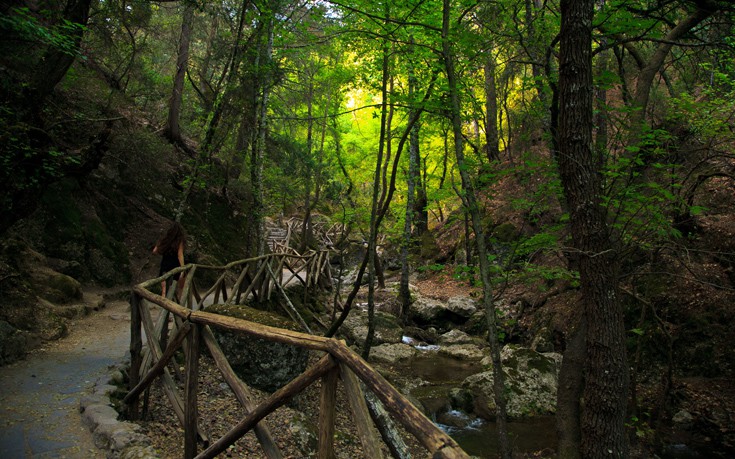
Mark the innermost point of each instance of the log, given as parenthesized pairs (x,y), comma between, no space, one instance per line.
(430,436)
(327,403)
(290,309)
(158,368)
(236,286)
(185,299)
(166,304)
(276,400)
(253,283)
(241,392)
(361,416)
(191,414)
(169,386)
(136,346)
(280,335)
(387,428)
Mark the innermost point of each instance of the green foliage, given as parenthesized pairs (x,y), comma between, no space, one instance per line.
(436,268)
(62,35)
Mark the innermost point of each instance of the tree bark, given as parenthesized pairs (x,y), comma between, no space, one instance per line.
(56,62)
(568,394)
(472,206)
(173,128)
(491,109)
(257,154)
(413,172)
(606,373)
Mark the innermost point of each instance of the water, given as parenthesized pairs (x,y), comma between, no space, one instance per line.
(480,438)
(433,376)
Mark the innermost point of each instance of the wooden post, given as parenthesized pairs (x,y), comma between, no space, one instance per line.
(136,346)
(192,377)
(276,400)
(241,391)
(236,287)
(326,415)
(356,398)
(160,365)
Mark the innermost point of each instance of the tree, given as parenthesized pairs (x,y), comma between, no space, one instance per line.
(470,202)
(606,373)
(173,129)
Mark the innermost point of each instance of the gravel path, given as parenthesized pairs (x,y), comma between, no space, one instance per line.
(39,401)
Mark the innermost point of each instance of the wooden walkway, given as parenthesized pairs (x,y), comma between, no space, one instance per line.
(191,325)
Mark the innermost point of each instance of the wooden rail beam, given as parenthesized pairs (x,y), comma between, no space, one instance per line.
(356,399)
(241,392)
(191,415)
(408,415)
(317,343)
(158,368)
(136,347)
(327,403)
(276,400)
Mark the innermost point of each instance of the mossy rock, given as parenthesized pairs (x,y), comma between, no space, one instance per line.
(13,343)
(265,365)
(56,287)
(505,233)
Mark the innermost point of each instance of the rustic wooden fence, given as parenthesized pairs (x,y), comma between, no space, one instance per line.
(192,324)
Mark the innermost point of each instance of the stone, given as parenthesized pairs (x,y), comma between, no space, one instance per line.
(531,380)
(392,353)
(427,310)
(387,327)
(13,343)
(463,306)
(455,337)
(682,417)
(462,351)
(136,452)
(95,415)
(265,365)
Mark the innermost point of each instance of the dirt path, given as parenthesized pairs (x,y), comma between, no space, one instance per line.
(39,400)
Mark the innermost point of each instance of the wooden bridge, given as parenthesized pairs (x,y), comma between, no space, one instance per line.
(190,324)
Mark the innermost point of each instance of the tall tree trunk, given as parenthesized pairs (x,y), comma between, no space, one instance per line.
(703,10)
(373,237)
(257,155)
(306,222)
(569,393)
(606,373)
(413,173)
(491,108)
(471,203)
(56,62)
(173,128)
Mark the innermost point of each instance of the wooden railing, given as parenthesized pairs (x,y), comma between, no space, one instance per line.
(192,325)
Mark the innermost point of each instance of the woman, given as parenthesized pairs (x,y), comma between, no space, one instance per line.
(171,248)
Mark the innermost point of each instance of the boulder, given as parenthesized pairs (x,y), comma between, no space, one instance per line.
(265,365)
(392,353)
(55,286)
(387,327)
(430,312)
(13,343)
(462,351)
(531,380)
(455,337)
(463,306)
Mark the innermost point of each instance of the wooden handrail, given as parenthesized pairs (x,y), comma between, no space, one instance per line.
(339,361)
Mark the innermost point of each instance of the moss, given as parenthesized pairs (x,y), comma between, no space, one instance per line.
(505,232)
(253,315)
(68,288)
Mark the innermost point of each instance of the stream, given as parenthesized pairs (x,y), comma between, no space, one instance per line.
(433,376)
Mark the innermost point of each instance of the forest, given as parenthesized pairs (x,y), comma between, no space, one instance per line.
(568,153)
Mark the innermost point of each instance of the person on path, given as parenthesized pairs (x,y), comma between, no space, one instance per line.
(171,247)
